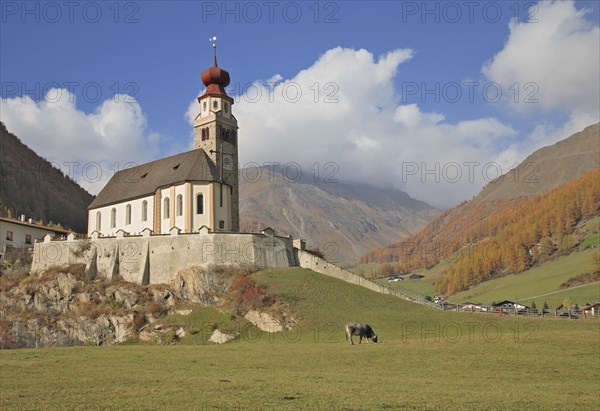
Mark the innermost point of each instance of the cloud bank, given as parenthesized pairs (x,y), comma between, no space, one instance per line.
(89,147)
(342,115)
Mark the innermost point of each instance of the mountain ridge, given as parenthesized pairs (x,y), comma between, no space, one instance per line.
(34,187)
(343,220)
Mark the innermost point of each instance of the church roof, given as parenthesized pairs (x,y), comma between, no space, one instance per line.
(144,179)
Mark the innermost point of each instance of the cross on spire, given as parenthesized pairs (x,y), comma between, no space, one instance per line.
(213,40)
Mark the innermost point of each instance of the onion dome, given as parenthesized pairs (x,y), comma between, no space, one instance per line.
(214,78)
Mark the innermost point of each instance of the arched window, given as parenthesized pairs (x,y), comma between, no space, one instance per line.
(204,106)
(144,210)
(179,205)
(113,218)
(226,107)
(221,224)
(200,204)
(98,221)
(215,104)
(203,134)
(128,214)
(167,208)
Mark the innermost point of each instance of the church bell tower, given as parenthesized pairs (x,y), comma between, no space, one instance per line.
(215,131)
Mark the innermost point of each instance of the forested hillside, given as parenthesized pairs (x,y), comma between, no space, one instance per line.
(30,185)
(523,234)
(518,235)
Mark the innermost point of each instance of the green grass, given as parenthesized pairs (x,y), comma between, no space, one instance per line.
(517,363)
(592,226)
(580,295)
(422,287)
(592,240)
(544,279)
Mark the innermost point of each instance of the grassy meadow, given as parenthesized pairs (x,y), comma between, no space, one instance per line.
(427,360)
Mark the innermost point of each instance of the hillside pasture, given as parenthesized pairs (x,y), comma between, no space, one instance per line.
(538,281)
(427,359)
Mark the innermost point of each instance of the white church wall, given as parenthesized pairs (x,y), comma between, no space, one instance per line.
(136,226)
(180,217)
(165,216)
(198,220)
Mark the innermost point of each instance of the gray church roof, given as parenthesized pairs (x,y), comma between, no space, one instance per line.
(144,179)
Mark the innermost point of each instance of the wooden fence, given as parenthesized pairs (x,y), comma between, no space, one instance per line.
(524,312)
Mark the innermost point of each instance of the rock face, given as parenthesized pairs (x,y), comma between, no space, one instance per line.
(60,307)
(36,333)
(218,337)
(162,334)
(200,285)
(266,322)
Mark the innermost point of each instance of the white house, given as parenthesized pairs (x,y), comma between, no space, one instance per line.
(19,234)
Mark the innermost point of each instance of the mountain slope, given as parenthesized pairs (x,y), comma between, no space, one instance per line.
(342,220)
(553,166)
(30,185)
(548,167)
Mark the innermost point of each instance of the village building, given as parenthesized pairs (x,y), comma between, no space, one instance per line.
(186,191)
(22,233)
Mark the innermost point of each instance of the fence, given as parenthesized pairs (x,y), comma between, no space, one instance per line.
(525,312)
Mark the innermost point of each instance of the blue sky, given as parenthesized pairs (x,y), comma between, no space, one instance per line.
(380,56)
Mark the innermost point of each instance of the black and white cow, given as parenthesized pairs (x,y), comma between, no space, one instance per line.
(362,330)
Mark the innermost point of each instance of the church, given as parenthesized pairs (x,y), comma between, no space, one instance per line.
(186,191)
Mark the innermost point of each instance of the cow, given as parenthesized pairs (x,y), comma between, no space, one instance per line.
(362,330)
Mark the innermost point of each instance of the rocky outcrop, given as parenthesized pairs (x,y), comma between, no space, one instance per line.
(218,337)
(61,307)
(36,332)
(162,334)
(267,322)
(200,285)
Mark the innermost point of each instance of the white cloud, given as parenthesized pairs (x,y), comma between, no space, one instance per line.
(112,136)
(559,53)
(349,114)
(543,134)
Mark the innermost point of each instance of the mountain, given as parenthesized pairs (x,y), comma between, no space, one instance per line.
(30,185)
(342,220)
(548,168)
(544,170)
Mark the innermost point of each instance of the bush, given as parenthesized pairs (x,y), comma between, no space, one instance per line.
(246,295)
